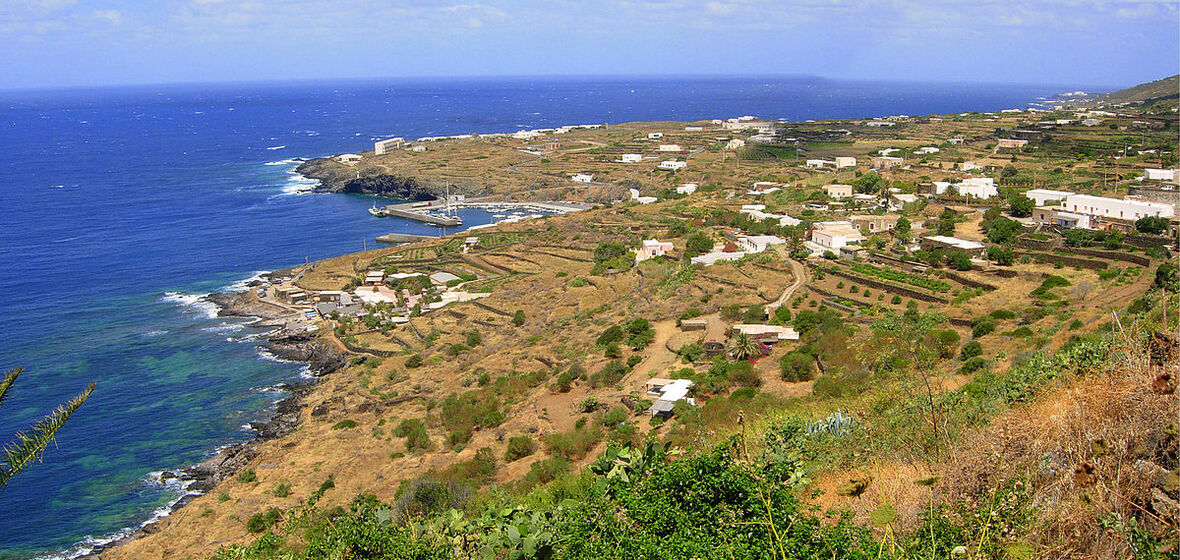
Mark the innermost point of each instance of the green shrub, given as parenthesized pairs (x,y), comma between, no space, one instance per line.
(519,447)
(612,334)
(973,365)
(282,490)
(579,282)
(743,374)
(796,366)
(414,430)
(262,521)
(247,476)
(473,339)
(414,361)
(971,350)
(344,425)
(983,326)
(690,353)
(518,318)
(611,373)
(588,405)
(1002,314)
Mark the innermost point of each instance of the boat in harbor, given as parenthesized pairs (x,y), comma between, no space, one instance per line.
(374,211)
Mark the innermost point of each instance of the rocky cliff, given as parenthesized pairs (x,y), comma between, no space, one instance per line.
(373,179)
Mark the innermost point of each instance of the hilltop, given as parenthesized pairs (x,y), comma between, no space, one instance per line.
(1009,391)
(1165,88)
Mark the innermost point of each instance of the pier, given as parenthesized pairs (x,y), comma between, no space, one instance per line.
(419,211)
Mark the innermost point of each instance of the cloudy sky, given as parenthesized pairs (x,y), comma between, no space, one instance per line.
(52,43)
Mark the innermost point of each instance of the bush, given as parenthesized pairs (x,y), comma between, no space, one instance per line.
(344,425)
(973,365)
(1002,314)
(640,333)
(613,333)
(518,318)
(958,260)
(519,447)
(281,490)
(983,327)
(944,341)
(473,339)
(262,521)
(743,375)
(1166,277)
(414,361)
(971,350)
(691,352)
(414,430)
(588,405)
(782,315)
(796,366)
(247,476)
(1154,225)
(697,244)
(579,282)
(633,359)
(611,373)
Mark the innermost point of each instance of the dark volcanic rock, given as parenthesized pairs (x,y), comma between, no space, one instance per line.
(368,179)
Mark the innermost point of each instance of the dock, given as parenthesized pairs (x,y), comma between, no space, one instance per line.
(419,211)
(403,238)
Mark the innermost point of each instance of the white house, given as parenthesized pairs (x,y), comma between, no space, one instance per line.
(838,191)
(632,158)
(418,148)
(845,161)
(673,165)
(878,124)
(642,199)
(670,147)
(977,187)
(348,159)
(758,243)
(834,235)
(885,162)
(655,135)
(1159,174)
(693,128)
(1091,122)
(384,146)
(1040,197)
(969,165)
(734,144)
(687,188)
(716,257)
(927,150)
(582,178)
(669,392)
(815,163)
(946,242)
(526,134)
(1116,208)
(767,333)
(652,248)
(1011,143)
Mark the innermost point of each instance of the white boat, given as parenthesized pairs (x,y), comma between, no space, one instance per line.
(374,211)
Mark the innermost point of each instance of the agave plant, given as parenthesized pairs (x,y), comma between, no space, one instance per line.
(28,445)
(743,346)
(837,424)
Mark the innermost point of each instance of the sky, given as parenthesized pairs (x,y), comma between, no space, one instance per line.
(66,43)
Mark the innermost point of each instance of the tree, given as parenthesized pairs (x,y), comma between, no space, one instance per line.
(944,342)
(902,229)
(518,318)
(609,250)
(698,243)
(1001,255)
(1154,225)
(1021,206)
(958,260)
(1009,171)
(869,183)
(28,445)
(1165,277)
(743,346)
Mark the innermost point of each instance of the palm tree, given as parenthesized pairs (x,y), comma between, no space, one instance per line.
(743,346)
(28,445)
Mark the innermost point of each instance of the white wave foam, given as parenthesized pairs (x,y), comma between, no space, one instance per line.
(272,148)
(244,284)
(288,161)
(225,328)
(193,303)
(298,184)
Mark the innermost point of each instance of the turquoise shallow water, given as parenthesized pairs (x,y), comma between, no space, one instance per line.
(123,205)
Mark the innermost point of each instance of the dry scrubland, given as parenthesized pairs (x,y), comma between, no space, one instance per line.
(1056,453)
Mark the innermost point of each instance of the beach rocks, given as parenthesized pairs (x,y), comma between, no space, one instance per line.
(369,179)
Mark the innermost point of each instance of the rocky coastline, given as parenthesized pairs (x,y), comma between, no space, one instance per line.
(335,177)
(322,359)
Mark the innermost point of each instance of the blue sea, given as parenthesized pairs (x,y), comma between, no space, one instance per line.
(123,206)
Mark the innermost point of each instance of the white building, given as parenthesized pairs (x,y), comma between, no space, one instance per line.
(927,150)
(716,257)
(947,242)
(1011,143)
(813,163)
(735,144)
(693,128)
(673,165)
(834,235)
(838,191)
(982,188)
(758,243)
(969,165)
(655,135)
(767,333)
(384,146)
(1091,122)
(1159,174)
(670,147)
(1040,197)
(642,199)
(349,159)
(1115,208)
(582,178)
(652,248)
(878,124)
(845,161)
(687,188)
(632,158)
(668,391)
(526,134)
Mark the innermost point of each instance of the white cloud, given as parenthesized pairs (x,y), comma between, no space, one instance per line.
(720,8)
